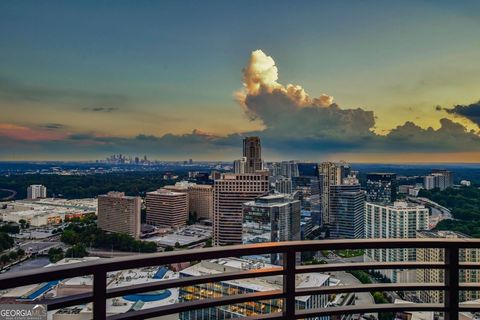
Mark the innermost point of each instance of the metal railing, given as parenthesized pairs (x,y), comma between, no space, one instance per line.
(289,270)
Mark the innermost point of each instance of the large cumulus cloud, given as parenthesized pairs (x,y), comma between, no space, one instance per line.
(296,121)
(295,125)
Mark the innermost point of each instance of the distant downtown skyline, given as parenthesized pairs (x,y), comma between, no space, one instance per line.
(364,81)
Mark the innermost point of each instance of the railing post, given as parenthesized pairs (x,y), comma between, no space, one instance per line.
(100,295)
(452,282)
(289,261)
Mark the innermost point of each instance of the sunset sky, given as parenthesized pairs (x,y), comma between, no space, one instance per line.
(366,81)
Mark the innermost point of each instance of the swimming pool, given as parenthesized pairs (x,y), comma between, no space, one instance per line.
(149,296)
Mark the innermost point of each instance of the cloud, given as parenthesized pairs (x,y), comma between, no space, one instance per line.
(470,112)
(295,121)
(53,126)
(24,133)
(15,91)
(295,125)
(261,75)
(100,109)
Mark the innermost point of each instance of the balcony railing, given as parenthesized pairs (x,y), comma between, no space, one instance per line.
(99,269)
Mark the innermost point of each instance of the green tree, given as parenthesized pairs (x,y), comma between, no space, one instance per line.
(4,258)
(13,255)
(76,251)
(55,254)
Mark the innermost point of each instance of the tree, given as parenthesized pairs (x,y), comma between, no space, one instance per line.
(69,237)
(4,258)
(208,243)
(169,248)
(22,223)
(13,255)
(55,254)
(76,251)
(20,252)
(177,244)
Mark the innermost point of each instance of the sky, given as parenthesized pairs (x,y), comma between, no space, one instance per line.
(363,81)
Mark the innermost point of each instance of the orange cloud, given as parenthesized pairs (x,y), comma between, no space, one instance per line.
(22,133)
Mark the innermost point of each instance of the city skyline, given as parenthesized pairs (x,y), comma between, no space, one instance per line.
(367,82)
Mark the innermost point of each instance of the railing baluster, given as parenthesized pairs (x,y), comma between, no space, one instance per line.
(289,261)
(451,281)
(100,295)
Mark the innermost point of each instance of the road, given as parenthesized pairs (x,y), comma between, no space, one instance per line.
(438,212)
(12,195)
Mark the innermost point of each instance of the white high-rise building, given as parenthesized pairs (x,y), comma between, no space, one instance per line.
(36,191)
(400,220)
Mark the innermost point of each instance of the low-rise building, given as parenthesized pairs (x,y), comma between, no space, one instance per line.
(234,287)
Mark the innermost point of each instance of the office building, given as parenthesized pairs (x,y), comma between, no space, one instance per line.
(271,218)
(252,151)
(381,187)
(330,174)
(119,213)
(307,189)
(243,286)
(399,220)
(289,169)
(167,208)
(347,205)
(240,165)
(231,191)
(283,185)
(441,179)
(200,198)
(438,275)
(36,191)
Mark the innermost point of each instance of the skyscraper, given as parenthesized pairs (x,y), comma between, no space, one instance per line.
(283,185)
(240,165)
(36,191)
(231,191)
(252,151)
(347,205)
(381,187)
(271,218)
(167,208)
(289,169)
(330,174)
(119,213)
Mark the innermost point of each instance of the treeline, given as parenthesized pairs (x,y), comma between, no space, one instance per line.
(6,242)
(86,232)
(87,186)
(464,203)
